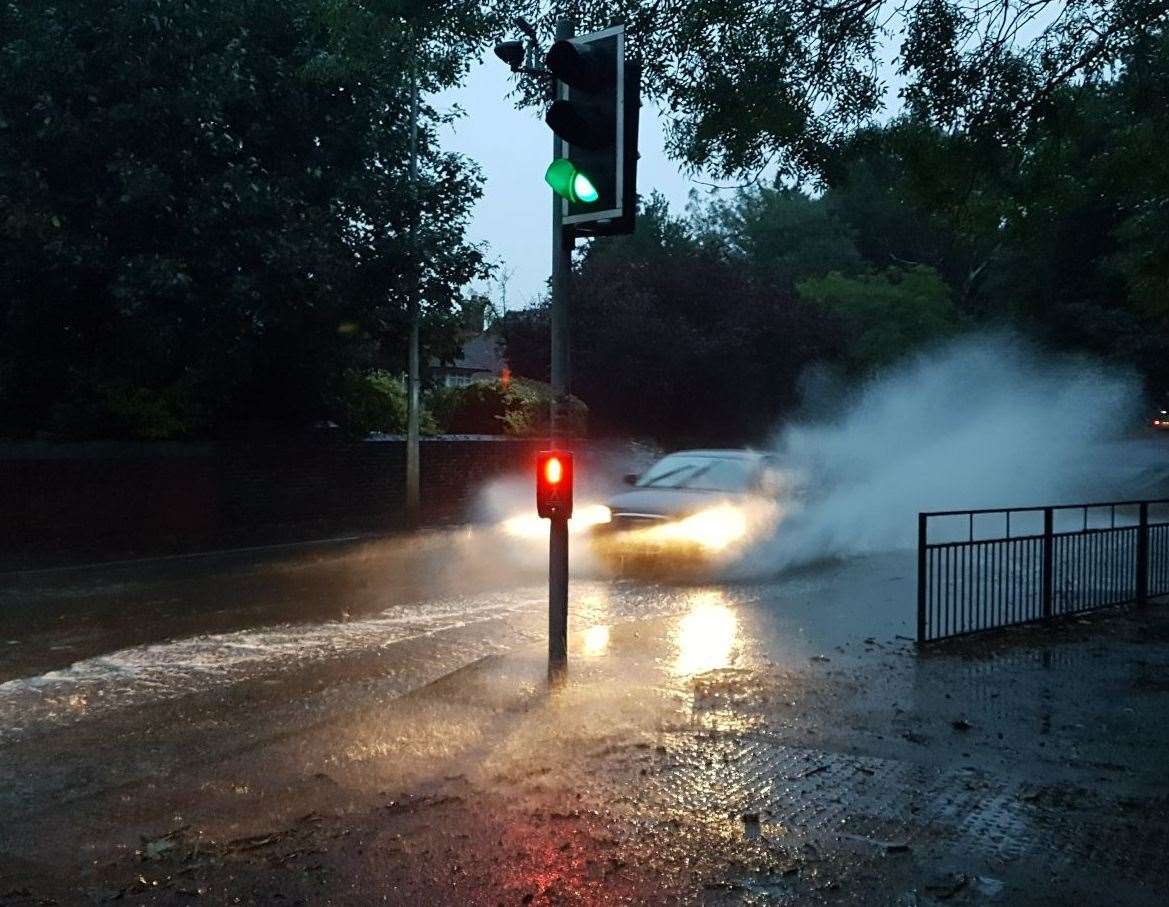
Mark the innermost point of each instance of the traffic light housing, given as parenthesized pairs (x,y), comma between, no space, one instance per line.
(554,484)
(511,53)
(595,117)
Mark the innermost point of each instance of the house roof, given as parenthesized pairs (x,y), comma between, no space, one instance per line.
(480,354)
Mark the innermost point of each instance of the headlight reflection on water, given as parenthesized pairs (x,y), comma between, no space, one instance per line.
(705,638)
(596,641)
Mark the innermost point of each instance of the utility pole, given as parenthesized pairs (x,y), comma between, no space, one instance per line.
(563,239)
(412,453)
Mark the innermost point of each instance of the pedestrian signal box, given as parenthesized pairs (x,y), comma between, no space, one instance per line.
(554,484)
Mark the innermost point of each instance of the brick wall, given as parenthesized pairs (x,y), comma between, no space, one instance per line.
(114,498)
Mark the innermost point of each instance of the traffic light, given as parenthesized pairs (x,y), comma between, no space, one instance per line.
(554,484)
(595,118)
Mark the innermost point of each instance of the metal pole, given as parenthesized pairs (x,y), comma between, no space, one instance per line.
(562,242)
(1142,565)
(922,538)
(412,453)
(1048,562)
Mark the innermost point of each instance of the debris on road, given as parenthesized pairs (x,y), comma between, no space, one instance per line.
(946,886)
(757,779)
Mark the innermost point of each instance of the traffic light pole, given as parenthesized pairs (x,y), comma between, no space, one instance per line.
(562,243)
(593,176)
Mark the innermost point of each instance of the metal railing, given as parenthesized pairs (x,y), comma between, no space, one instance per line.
(982,569)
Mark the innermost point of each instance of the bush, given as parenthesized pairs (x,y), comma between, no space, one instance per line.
(146,414)
(476,409)
(520,409)
(128,412)
(529,408)
(376,402)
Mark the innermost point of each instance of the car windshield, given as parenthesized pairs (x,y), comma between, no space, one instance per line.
(699,473)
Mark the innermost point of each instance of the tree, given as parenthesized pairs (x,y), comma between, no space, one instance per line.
(1083,255)
(672,339)
(887,315)
(787,82)
(781,236)
(1061,234)
(204,205)
(526,335)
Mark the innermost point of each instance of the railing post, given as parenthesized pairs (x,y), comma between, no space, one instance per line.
(1048,561)
(921,576)
(1143,555)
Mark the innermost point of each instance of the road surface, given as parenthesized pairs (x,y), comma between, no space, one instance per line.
(77,643)
(368,720)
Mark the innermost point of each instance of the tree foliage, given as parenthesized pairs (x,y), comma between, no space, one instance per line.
(518,407)
(674,338)
(779,237)
(887,313)
(204,204)
(699,327)
(787,82)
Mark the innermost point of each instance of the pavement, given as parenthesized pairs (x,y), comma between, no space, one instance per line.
(778,741)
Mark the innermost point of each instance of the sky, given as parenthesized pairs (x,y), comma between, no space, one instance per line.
(513,148)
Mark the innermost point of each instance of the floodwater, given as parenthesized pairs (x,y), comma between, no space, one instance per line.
(79,644)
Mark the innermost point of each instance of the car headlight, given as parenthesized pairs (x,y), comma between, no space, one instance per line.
(530,526)
(716,528)
(591,515)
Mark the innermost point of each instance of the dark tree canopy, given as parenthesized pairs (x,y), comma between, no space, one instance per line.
(747,83)
(700,327)
(205,214)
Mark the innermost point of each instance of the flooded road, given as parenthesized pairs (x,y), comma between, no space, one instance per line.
(357,722)
(80,643)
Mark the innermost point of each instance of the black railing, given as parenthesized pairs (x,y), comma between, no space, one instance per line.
(982,569)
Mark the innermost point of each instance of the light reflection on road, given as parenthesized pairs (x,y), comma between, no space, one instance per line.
(705,637)
(474,625)
(596,641)
(410,642)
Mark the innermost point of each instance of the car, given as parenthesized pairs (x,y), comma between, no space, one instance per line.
(692,506)
(1161,420)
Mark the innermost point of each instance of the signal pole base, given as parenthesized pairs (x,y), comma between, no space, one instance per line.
(557,599)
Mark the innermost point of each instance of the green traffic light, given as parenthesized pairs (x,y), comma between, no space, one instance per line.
(583,188)
(568,182)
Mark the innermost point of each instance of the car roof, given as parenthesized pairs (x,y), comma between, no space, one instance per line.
(728,454)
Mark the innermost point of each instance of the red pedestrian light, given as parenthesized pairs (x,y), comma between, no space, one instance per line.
(554,484)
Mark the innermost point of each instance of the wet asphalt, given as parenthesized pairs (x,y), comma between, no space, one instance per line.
(370,720)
